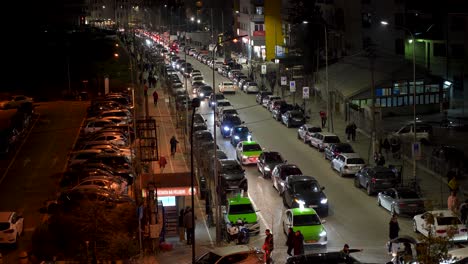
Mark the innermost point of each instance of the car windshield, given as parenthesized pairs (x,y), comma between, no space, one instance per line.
(241,209)
(233,167)
(408,194)
(241,130)
(198,119)
(230,112)
(253,147)
(228,83)
(345,148)
(233,119)
(253,84)
(422,129)
(331,139)
(206,89)
(220,104)
(273,157)
(291,171)
(198,78)
(314,129)
(296,115)
(448,220)
(384,174)
(306,220)
(355,161)
(219,96)
(208,258)
(4,226)
(306,186)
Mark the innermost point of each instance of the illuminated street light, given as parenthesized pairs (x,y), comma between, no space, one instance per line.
(116,55)
(305,22)
(192,19)
(198,21)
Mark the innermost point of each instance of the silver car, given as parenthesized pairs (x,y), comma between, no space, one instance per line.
(401,200)
(348,163)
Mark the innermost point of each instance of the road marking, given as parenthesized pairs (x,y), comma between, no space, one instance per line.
(18,150)
(259,213)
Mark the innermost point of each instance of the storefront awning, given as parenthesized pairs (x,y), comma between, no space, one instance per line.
(168,180)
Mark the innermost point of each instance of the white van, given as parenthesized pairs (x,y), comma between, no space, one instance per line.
(423,132)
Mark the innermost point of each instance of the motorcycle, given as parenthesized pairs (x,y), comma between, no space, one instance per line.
(238,232)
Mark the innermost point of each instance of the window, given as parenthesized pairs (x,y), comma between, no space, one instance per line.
(259,10)
(439,50)
(259,27)
(457,51)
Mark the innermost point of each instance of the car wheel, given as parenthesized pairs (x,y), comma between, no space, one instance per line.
(392,210)
(415,227)
(341,173)
(369,189)
(379,203)
(284,201)
(325,156)
(288,125)
(298,136)
(356,183)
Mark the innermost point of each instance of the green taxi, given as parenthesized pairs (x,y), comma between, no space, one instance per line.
(242,208)
(247,152)
(308,222)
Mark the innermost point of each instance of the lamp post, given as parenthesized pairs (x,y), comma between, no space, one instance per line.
(195,105)
(215,164)
(385,23)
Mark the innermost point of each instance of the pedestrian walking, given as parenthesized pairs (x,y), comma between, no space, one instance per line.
(290,241)
(145,91)
(452,201)
(181,225)
(268,246)
(188,224)
(394,229)
(298,243)
(381,160)
(162,163)
(464,212)
(173,142)
(348,132)
(155,98)
(395,146)
(353,129)
(323,117)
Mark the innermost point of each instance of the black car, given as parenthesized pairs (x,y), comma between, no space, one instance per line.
(375,179)
(279,111)
(240,133)
(204,91)
(301,190)
(228,122)
(324,258)
(232,175)
(334,150)
(261,95)
(267,162)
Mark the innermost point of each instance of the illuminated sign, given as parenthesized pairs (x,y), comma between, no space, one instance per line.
(176,191)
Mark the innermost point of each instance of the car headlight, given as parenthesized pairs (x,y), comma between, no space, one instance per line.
(202,94)
(267,168)
(323,233)
(226,128)
(213,103)
(244,156)
(299,201)
(324,201)
(236,137)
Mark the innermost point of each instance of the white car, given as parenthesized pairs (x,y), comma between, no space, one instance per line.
(197,78)
(217,65)
(221,104)
(306,131)
(15,101)
(251,87)
(226,87)
(95,124)
(423,132)
(11,227)
(347,163)
(321,140)
(444,223)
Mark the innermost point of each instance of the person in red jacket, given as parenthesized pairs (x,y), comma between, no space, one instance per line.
(155,98)
(323,117)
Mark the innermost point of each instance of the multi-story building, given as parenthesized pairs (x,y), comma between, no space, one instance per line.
(121,13)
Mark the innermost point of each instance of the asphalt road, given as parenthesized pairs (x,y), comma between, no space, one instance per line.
(29,177)
(354,217)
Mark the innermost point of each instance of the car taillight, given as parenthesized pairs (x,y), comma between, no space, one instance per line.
(441,231)
(373,180)
(9,231)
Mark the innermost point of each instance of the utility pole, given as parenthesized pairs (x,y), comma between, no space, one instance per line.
(371,55)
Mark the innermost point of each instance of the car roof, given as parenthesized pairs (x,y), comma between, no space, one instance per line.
(5,216)
(249,142)
(327,134)
(224,100)
(299,178)
(350,155)
(441,213)
(228,161)
(239,200)
(303,211)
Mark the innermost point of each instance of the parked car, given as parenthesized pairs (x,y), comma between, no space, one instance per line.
(214,98)
(401,201)
(348,164)
(307,221)
(375,179)
(267,162)
(93,125)
(305,191)
(251,87)
(15,101)
(277,112)
(441,223)
(226,87)
(423,132)
(261,95)
(293,118)
(11,227)
(321,140)
(333,150)
(280,173)
(227,123)
(204,91)
(241,254)
(306,131)
(233,175)
(269,98)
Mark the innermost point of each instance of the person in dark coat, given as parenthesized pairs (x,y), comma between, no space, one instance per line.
(188,224)
(394,229)
(352,131)
(386,147)
(290,241)
(173,142)
(298,243)
(181,225)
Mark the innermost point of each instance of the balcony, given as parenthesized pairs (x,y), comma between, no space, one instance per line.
(257,18)
(259,33)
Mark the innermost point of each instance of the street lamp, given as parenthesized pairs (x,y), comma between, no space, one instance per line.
(215,164)
(411,41)
(195,105)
